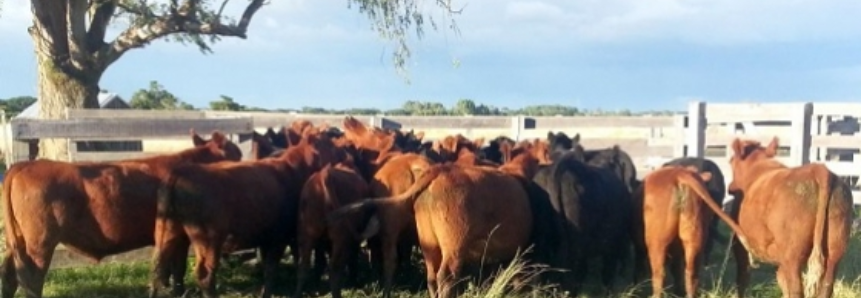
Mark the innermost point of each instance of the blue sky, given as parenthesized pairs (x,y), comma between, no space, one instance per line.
(608,54)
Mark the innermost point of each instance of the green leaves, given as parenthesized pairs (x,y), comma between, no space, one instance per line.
(394,19)
(157,98)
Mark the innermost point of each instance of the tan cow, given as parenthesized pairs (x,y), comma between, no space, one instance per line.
(464,216)
(674,211)
(790,215)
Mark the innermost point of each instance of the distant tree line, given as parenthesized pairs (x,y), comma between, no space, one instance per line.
(155,97)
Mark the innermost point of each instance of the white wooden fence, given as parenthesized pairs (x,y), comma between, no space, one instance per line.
(808,132)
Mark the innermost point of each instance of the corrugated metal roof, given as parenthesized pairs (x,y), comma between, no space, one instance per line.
(32,111)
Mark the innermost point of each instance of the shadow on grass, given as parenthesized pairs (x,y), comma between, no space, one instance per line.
(237,280)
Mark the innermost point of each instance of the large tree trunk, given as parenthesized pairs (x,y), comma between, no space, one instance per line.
(58,90)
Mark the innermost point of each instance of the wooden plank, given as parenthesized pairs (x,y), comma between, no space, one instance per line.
(722,138)
(836,141)
(442,122)
(843,168)
(112,156)
(747,112)
(277,122)
(856,198)
(148,114)
(837,109)
(112,129)
(634,147)
(598,121)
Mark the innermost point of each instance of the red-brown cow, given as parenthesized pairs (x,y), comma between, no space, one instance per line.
(674,211)
(790,215)
(228,206)
(95,209)
(325,191)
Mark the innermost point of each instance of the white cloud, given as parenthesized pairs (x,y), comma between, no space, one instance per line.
(540,24)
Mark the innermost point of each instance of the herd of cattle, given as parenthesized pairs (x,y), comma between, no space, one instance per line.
(323,191)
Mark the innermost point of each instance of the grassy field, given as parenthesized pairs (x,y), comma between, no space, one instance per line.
(241,280)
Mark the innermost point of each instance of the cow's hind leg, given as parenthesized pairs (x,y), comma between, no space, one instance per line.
(272,254)
(207,255)
(31,268)
(826,287)
(789,279)
(610,268)
(693,260)
(657,257)
(169,259)
(742,265)
(341,248)
(306,245)
(448,277)
(179,265)
(433,265)
(10,280)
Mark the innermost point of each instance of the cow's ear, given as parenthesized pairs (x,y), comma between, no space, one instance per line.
(549,135)
(505,149)
(196,139)
(478,143)
(576,138)
(737,148)
(771,150)
(706,176)
(219,138)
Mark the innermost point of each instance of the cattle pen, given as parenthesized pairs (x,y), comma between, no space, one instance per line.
(809,132)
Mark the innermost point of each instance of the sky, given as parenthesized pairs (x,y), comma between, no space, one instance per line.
(607,54)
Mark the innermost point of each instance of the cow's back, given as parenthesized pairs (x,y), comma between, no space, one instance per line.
(716,185)
(95,209)
(468,206)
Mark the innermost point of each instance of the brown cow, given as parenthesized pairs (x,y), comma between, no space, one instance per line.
(230,206)
(673,213)
(458,227)
(790,214)
(325,191)
(391,172)
(95,209)
(231,150)
(223,207)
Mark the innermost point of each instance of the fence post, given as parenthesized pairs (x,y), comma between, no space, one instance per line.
(372,121)
(822,122)
(799,150)
(679,130)
(516,123)
(696,130)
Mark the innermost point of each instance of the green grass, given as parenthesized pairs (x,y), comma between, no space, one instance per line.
(239,280)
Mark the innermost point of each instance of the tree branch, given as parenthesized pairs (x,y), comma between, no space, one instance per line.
(49,30)
(138,36)
(76,31)
(102,12)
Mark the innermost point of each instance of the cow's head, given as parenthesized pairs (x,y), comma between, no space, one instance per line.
(746,154)
(219,141)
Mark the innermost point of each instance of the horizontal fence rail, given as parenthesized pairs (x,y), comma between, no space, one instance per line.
(823,132)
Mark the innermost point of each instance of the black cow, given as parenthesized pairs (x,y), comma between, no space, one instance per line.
(492,151)
(614,158)
(592,208)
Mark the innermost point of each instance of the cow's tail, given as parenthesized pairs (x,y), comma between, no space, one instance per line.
(165,205)
(14,241)
(697,186)
(407,197)
(816,263)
